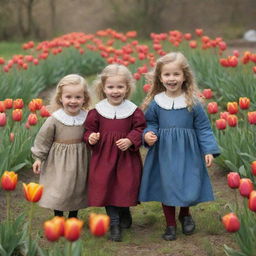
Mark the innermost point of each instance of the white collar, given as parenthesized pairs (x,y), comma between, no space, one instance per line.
(167,102)
(66,119)
(125,109)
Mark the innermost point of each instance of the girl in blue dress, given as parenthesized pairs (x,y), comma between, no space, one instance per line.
(180,141)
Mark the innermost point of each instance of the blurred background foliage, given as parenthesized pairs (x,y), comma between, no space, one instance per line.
(42,19)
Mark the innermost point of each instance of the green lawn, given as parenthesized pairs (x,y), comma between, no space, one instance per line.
(8,49)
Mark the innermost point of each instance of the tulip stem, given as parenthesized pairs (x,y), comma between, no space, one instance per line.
(69,248)
(30,219)
(8,208)
(237,204)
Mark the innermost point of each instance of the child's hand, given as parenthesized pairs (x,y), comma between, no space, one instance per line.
(123,144)
(94,138)
(37,166)
(150,138)
(208,160)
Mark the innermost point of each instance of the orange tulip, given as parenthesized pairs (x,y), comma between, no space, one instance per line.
(244,103)
(9,180)
(245,187)
(231,222)
(251,117)
(8,103)
(17,115)
(44,112)
(253,168)
(232,107)
(207,93)
(212,107)
(98,224)
(2,106)
(233,179)
(232,120)
(18,103)
(54,228)
(32,106)
(32,191)
(3,119)
(32,119)
(252,201)
(221,124)
(73,228)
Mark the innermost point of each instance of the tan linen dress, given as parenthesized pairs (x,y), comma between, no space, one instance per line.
(64,165)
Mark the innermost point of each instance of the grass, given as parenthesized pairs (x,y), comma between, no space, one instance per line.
(8,49)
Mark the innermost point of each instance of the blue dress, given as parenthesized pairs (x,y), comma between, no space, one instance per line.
(174,169)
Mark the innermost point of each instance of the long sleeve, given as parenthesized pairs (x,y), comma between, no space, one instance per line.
(91,125)
(44,140)
(139,124)
(206,138)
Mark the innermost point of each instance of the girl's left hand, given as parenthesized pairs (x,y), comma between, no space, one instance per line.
(208,160)
(123,144)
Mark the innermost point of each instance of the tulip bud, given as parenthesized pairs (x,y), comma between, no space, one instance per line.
(232,120)
(3,119)
(73,227)
(17,115)
(207,93)
(212,107)
(11,137)
(233,180)
(32,191)
(99,224)
(245,187)
(2,106)
(32,119)
(54,228)
(251,117)
(252,201)
(44,112)
(231,222)
(18,104)
(224,115)
(253,168)
(8,103)
(244,103)
(232,107)
(221,124)
(9,180)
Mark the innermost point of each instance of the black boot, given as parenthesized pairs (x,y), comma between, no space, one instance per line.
(125,217)
(188,224)
(115,233)
(170,233)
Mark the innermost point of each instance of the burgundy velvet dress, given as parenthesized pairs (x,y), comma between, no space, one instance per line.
(114,175)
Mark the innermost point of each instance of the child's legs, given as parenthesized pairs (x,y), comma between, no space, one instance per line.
(113,213)
(58,213)
(169,213)
(73,214)
(184,211)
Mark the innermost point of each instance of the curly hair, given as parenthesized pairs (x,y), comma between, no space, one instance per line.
(189,86)
(110,71)
(72,79)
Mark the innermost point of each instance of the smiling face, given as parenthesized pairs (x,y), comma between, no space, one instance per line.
(115,88)
(72,99)
(172,77)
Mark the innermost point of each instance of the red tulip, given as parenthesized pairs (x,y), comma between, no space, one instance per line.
(73,227)
(232,107)
(3,119)
(232,120)
(233,179)
(54,228)
(32,106)
(245,187)
(212,107)
(207,93)
(8,103)
(224,115)
(11,136)
(33,191)
(254,69)
(17,115)
(252,201)
(199,31)
(2,106)
(193,44)
(9,180)
(253,168)
(98,224)
(244,103)
(231,222)
(44,112)
(251,117)
(18,103)
(32,119)
(146,88)
(221,124)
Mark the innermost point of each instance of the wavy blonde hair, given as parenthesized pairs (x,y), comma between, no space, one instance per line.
(110,71)
(72,79)
(189,86)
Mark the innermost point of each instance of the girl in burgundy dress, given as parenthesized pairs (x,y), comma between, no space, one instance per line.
(114,132)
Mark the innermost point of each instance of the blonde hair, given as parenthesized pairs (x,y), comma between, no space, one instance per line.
(72,79)
(110,71)
(189,86)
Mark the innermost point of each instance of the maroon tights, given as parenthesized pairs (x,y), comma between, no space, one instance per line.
(169,213)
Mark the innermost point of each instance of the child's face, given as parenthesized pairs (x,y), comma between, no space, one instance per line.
(172,77)
(115,89)
(72,99)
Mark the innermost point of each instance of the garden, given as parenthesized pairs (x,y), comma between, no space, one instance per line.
(227,82)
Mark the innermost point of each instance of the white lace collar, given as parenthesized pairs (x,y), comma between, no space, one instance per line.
(167,102)
(125,109)
(66,119)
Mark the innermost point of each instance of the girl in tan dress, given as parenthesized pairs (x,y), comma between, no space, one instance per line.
(61,156)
